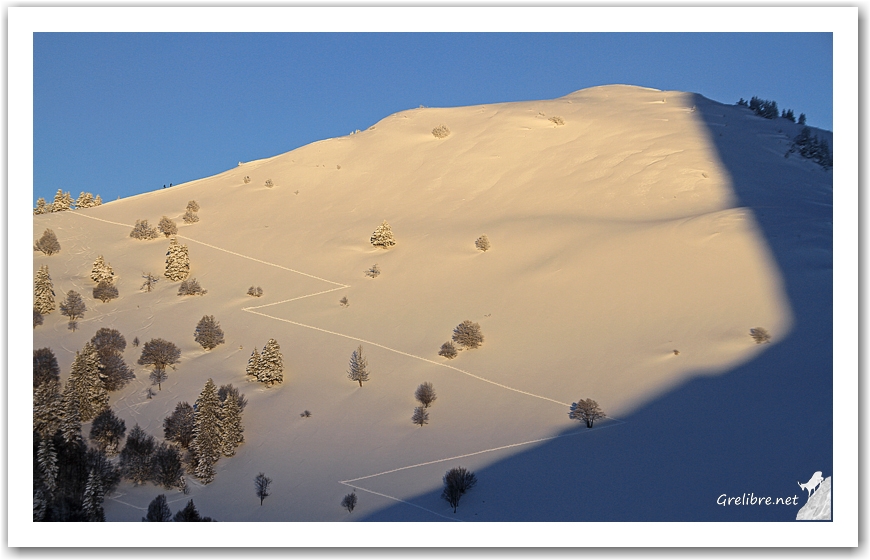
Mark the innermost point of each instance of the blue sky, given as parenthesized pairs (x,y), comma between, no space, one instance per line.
(119,114)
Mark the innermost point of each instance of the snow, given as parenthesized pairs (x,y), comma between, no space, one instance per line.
(650,221)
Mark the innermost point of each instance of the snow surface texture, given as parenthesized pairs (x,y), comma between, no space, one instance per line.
(648,222)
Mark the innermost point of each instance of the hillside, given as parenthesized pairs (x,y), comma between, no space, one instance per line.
(629,256)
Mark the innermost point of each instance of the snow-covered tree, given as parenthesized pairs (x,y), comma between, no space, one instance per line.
(70,417)
(43,291)
(448,350)
(482,243)
(206,445)
(467,334)
(73,306)
(110,344)
(208,332)
(143,230)
(102,271)
(158,510)
(261,485)
(136,457)
(62,202)
(92,501)
(383,236)
(190,217)
(425,393)
(253,367)
(41,208)
(48,243)
(358,367)
(231,426)
(90,391)
(48,467)
(85,200)
(586,410)
(228,391)
(107,430)
(177,261)
(193,206)
(420,416)
(45,366)
(47,410)
(271,368)
(180,425)
(167,226)
(255,292)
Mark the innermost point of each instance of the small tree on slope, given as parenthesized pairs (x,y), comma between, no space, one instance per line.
(167,227)
(467,334)
(231,429)
(383,236)
(102,271)
(158,510)
(177,261)
(180,425)
(90,392)
(271,364)
(43,291)
(208,332)
(206,445)
(160,354)
(261,485)
(457,481)
(48,243)
(586,410)
(358,370)
(425,393)
(73,306)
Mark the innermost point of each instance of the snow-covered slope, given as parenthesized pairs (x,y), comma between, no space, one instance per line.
(627,257)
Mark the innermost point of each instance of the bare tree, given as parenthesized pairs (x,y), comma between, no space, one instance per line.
(425,394)
(586,410)
(457,481)
(167,227)
(467,334)
(143,230)
(349,502)
(261,485)
(150,280)
(374,271)
(420,416)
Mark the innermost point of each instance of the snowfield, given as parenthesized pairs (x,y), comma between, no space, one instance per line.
(633,248)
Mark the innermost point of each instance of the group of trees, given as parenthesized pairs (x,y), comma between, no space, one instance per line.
(158,511)
(810,146)
(104,276)
(768,109)
(190,216)
(425,393)
(267,366)
(63,201)
(467,335)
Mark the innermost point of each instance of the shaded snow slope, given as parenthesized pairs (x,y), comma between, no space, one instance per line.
(617,238)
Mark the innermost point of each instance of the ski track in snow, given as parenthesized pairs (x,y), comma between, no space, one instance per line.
(341,286)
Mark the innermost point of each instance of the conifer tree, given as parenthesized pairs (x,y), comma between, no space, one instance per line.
(261,485)
(143,230)
(206,445)
(425,394)
(231,426)
(177,261)
(85,372)
(468,335)
(420,416)
(85,200)
(168,469)
(43,291)
(114,370)
(48,243)
(358,367)
(92,502)
(45,366)
(48,467)
(102,271)
(41,208)
(70,419)
(383,236)
(98,201)
(61,202)
(150,280)
(104,291)
(271,364)
(47,410)
(158,510)
(208,332)
(253,367)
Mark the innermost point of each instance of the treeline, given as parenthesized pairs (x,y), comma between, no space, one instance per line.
(63,201)
(769,110)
